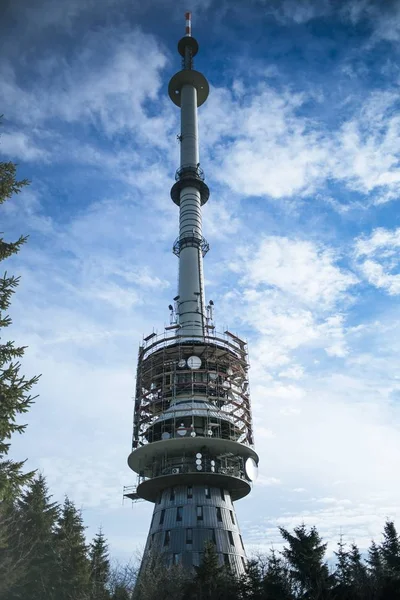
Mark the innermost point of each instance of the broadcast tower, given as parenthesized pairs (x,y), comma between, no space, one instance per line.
(193,436)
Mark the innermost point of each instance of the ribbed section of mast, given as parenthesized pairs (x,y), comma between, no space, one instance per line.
(193,447)
(188,89)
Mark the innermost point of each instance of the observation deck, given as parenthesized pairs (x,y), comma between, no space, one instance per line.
(192,415)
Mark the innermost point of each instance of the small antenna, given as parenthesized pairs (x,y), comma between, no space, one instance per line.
(188,29)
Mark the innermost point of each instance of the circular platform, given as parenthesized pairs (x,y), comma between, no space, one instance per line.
(151,488)
(188,77)
(138,459)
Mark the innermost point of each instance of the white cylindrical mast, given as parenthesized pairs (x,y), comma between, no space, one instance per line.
(188,89)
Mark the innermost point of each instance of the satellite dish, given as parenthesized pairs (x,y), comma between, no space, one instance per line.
(194,362)
(229,371)
(209,432)
(213,375)
(251,469)
(193,434)
(199,468)
(182,363)
(165,435)
(181,430)
(199,455)
(226,385)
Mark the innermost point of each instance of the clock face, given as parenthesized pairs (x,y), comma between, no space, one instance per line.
(194,362)
(251,469)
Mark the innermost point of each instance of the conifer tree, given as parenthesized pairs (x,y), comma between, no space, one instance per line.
(250,584)
(390,549)
(358,575)
(213,581)
(277,582)
(375,569)
(15,398)
(37,518)
(73,563)
(390,553)
(305,555)
(99,568)
(343,585)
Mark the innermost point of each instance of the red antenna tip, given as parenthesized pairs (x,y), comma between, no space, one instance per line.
(188,28)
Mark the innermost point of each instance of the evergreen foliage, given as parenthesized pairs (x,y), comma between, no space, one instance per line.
(72,555)
(37,518)
(15,398)
(305,556)
(278,583)
(99,568)
(47,558)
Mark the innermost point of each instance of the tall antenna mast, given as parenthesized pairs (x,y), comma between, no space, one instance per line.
(189,89)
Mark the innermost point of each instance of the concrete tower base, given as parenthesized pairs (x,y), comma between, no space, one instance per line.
(186,517)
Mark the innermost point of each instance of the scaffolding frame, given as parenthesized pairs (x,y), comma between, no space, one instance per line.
(221,382)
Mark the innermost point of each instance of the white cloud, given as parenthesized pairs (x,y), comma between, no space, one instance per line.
(377,257)
(299,268)
(104,85)
(18,146)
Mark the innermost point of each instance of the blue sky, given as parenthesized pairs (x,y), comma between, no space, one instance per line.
(300,145)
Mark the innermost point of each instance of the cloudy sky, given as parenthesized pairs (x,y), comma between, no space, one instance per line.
(300,143)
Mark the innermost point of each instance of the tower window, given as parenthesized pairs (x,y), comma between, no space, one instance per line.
(175,559)
(179,513)
(241,541)
(226,560)
(172,495)
(243,563)
(199,513)
(208,492)
(219,514)
(189,536)
(230,536)
(190,491)
(232,517)
(162,515)
(167,538)
(222,494)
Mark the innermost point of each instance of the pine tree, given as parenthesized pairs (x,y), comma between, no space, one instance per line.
(375,570)
(212,581)
(99,568)
(390,550)
(73,563)
(305,555)
(15,398)
(390,553)
(358,575)
(251,583)
(277,582)
(13,557)
(343,585)
(37,517)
